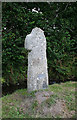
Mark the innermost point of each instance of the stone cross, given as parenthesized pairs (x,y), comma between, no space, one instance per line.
(37,61)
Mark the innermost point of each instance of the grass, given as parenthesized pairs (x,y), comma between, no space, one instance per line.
(69,84)
(66,91)
(22,104)
(35,104)
(55,88)
(69,97)
(51,100)
(24,92)
(10,104)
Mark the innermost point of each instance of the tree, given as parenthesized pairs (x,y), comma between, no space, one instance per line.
(58,20)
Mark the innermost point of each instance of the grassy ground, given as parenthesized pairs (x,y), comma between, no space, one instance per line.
(60,103)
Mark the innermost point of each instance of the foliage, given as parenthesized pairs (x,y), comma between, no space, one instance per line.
(58,20)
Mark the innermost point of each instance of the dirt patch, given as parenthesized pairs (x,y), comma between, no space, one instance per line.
(59,109)
(43,95)
(25,105)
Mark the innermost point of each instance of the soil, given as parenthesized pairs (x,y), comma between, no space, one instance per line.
(37,107)
(43,95)
(57,109)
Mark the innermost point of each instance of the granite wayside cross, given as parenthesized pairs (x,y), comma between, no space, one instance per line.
(37,61)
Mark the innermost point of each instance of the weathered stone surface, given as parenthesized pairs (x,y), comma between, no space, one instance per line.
(37,62)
